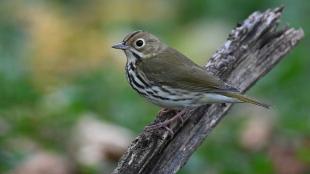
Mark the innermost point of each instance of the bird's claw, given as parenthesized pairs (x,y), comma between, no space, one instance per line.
(166,123)
(164,111)
(158,126)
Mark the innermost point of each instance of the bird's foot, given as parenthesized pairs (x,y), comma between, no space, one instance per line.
(164,111)
(166,123)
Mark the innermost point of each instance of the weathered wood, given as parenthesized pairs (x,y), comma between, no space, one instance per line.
(252,49)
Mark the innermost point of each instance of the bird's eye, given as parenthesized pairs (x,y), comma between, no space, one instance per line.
(140,43)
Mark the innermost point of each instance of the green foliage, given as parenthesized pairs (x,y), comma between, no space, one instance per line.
(45,88)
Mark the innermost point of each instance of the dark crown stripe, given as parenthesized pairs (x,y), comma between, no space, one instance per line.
(129,36)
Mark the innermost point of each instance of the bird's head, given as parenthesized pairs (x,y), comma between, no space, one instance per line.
(140,45)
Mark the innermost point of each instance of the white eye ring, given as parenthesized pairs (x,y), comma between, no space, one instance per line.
(139,43)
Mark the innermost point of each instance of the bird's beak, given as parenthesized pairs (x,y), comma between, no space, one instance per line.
(120,45)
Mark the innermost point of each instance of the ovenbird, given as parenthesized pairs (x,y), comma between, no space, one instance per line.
(169,79)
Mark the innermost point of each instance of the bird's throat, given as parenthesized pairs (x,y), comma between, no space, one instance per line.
(132,57)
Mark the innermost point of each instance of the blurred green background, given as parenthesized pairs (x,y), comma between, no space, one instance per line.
(66,107)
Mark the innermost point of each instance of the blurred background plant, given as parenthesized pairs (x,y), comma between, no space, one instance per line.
(65,105)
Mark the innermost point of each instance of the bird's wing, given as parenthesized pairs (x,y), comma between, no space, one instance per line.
(171,68)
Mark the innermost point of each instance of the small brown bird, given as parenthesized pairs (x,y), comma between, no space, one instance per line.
(169,79)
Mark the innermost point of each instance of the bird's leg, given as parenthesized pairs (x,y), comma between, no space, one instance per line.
(167,122)
(164,111)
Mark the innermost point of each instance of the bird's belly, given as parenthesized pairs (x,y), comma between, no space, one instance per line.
(163,96)
(168,97)
(172,98)
(216,98)
(172,104)
(192,99)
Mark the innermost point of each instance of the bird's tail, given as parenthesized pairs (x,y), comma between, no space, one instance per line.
(243,98)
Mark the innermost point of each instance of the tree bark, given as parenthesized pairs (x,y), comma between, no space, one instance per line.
(252,49)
